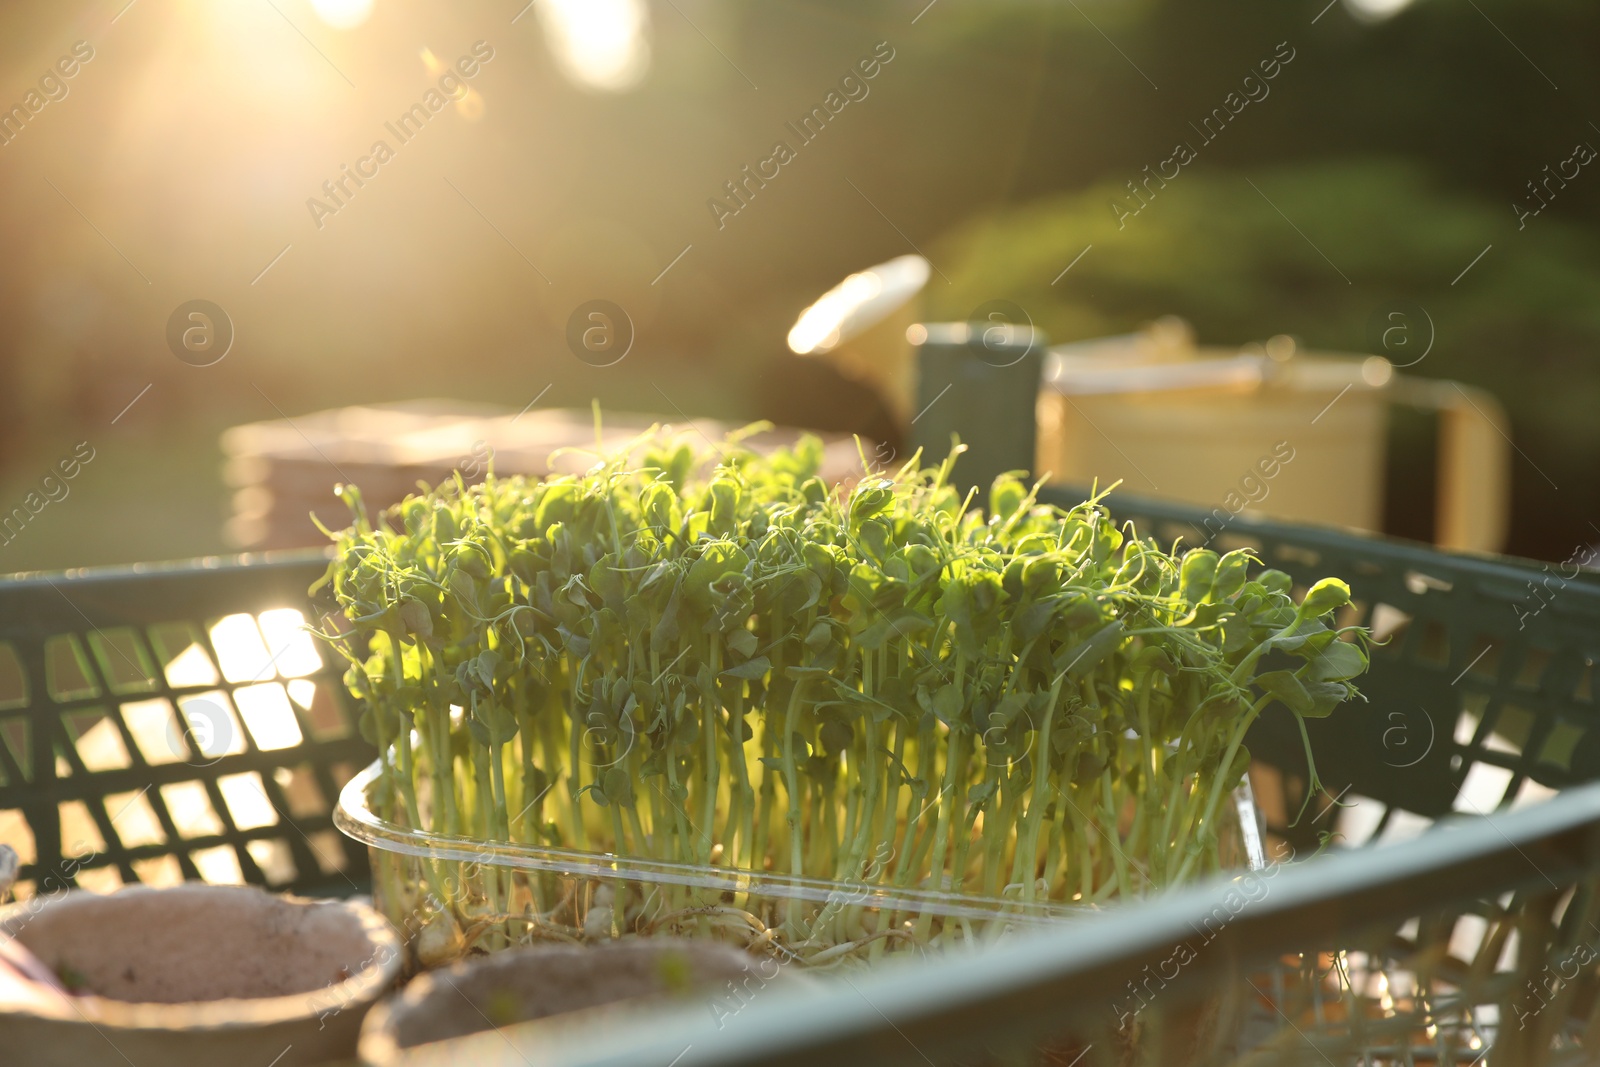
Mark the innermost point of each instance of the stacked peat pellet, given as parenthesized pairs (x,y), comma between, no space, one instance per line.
(284,471)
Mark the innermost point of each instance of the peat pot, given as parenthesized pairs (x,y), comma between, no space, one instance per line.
(536,982)
(196,974)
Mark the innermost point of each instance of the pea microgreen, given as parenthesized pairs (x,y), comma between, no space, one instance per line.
(731,662)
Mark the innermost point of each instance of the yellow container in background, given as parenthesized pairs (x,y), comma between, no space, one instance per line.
(1276,432)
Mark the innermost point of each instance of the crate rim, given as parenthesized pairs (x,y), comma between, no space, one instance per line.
(1328,536)
(285,559)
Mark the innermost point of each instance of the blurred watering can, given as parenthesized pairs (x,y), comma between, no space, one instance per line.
(1270,428)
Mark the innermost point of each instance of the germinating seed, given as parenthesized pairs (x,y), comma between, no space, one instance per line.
(748,669)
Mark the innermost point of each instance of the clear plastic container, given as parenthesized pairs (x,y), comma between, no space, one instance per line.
(450,896)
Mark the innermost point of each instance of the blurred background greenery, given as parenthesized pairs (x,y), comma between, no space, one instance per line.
(180,162)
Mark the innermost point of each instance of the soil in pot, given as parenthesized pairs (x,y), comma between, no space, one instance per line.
(197,973)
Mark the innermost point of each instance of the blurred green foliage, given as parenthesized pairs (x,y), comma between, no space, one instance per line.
(1212,248)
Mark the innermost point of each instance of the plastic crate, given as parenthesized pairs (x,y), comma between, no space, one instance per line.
(169,722)
(1489,666)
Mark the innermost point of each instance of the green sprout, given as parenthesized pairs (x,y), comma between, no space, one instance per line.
(733,663)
